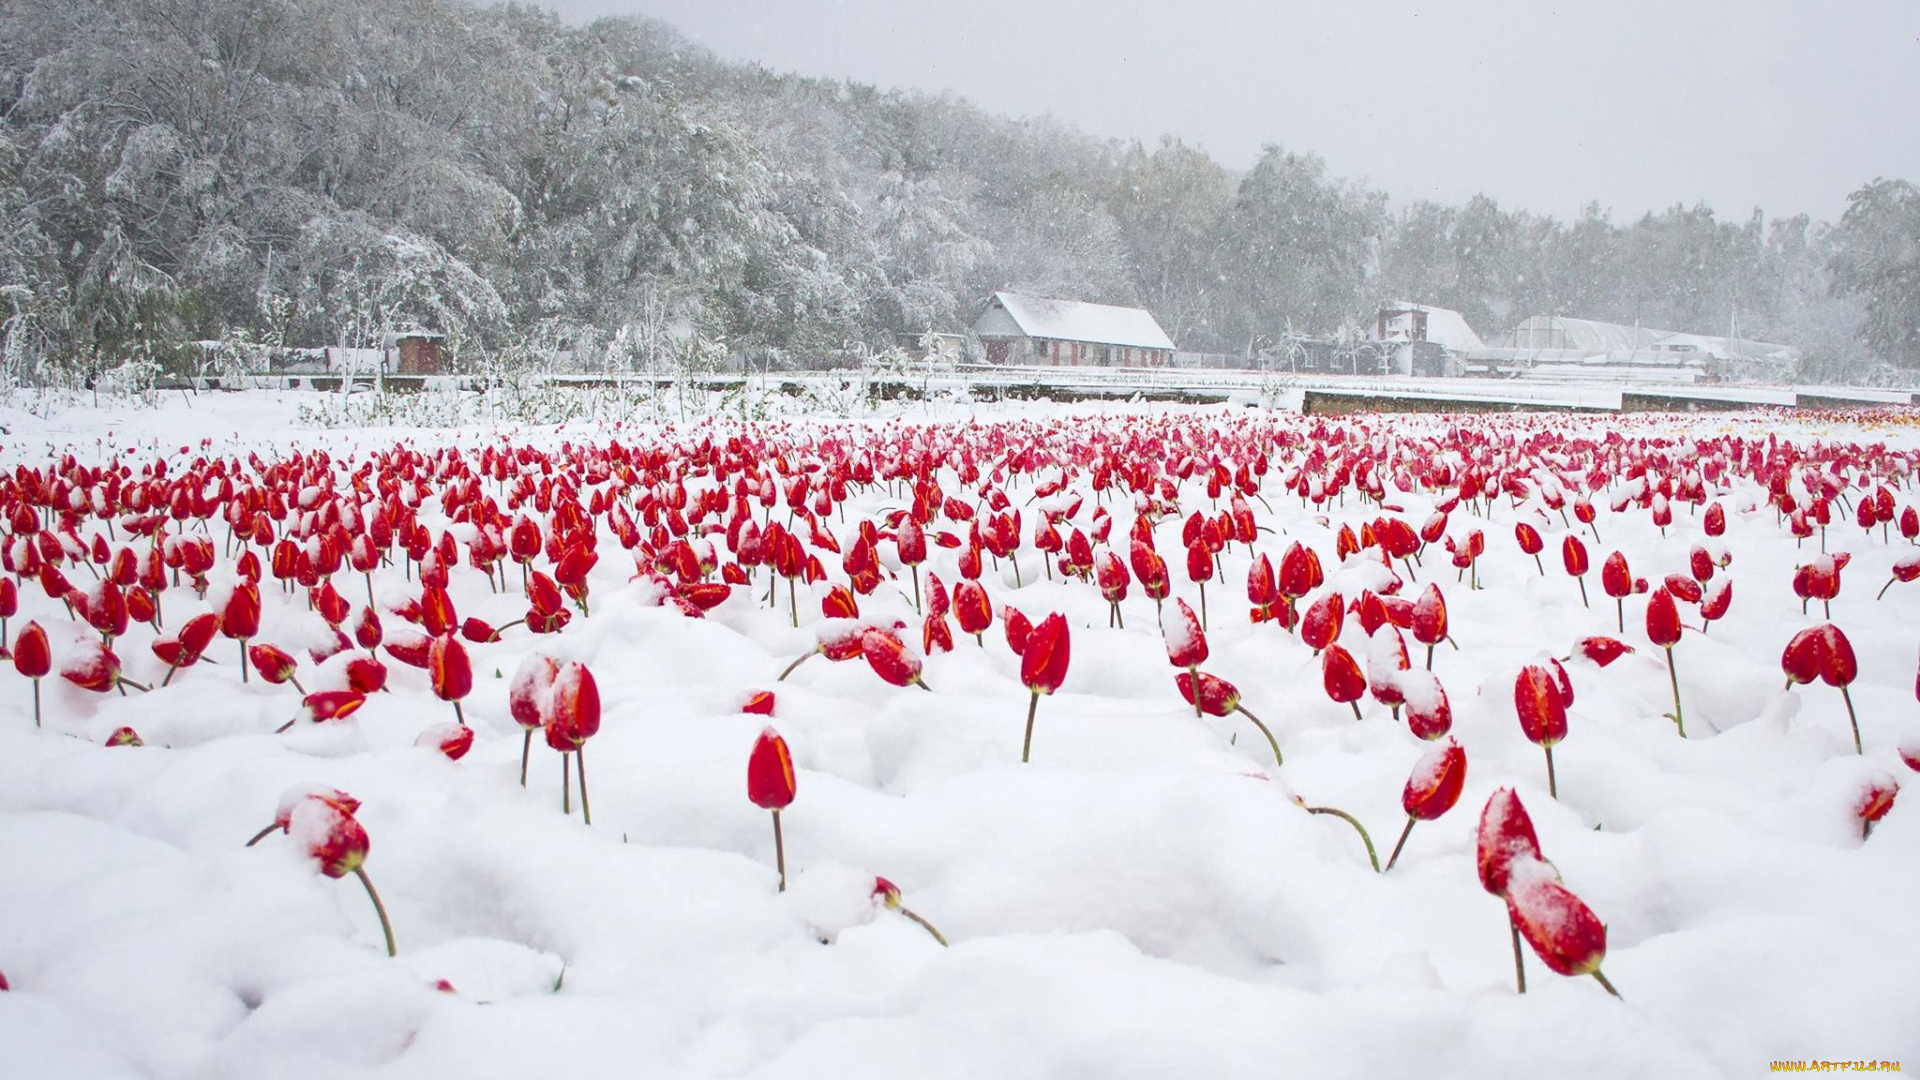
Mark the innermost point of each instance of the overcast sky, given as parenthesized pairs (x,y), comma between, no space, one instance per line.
(1788,105)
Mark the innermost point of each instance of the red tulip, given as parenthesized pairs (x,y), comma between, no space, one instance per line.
(1321,624)
(1714,523)
(366,675)
(971,608)
(1111,575)
(94,668)
(33,658)
(1875,801)
(1543,713)
(335,839)
(1530,543)
(1018,628)
(1043,667)
(450,671)
(890,659)
(1186,642)
(528,701)
(1340,675)
(367,631)
(1218,697)
(453,740)
(1429,714)
(1563,931)
(125,736)
(1804,656)
(759,703)
(1505,834)
(275,665)
(771,786)
(1601,650)
(1574,554)
(1910,752)
(1715,599)
(1432,789)
(1430,619)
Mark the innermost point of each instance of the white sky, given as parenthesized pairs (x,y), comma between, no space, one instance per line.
(1788,105)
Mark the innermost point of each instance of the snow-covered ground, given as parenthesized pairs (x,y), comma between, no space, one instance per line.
(1144,899)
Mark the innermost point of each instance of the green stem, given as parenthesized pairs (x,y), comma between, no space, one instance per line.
(1583,591)
(526,747)
(1361,829)
(566,783)
(1263,730)
(1603,982)
(1402,842)
(262,834)
(379,909)
(1519,962)
(1027,746)
(780,851)
(586,808)
(801,660)
(1673,676)
(1852,719)
(1553,785)
(937,936)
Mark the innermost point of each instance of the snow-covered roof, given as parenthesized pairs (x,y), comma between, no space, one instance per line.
(1073,320)
(1445,326)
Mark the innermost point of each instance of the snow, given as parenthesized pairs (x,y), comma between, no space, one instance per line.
(1142,900)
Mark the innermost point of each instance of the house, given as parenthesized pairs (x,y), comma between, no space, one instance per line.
(1019,329)
(1422,339)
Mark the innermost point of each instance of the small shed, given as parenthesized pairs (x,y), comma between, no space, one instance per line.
(1019,329)
(414,352)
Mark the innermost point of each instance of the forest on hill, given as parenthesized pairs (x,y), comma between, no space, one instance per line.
(322,172)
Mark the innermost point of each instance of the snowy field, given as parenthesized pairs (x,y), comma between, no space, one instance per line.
(1146,897)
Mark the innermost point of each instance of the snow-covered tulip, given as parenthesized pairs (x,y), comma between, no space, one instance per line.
(1505,836)
(451,672)
(1432,788)
(889,659)
(1910,752)
(1563,930)
(453,740)
(572,710)
(1341,677)
(1043,667)
(1905,568)
(1320,624)
(1542,708)
(771,786)
(1185,639)
(125,736)
(335,839)
(527,701)
(1875,801)
(34,659)
(95,667)
(1430,620)
(1111,575)
(889,895)
(1218,697)
(972,609)
(1428,713)
(1839,668)
(758,703)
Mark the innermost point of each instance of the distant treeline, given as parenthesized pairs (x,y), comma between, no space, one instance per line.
(321,172)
